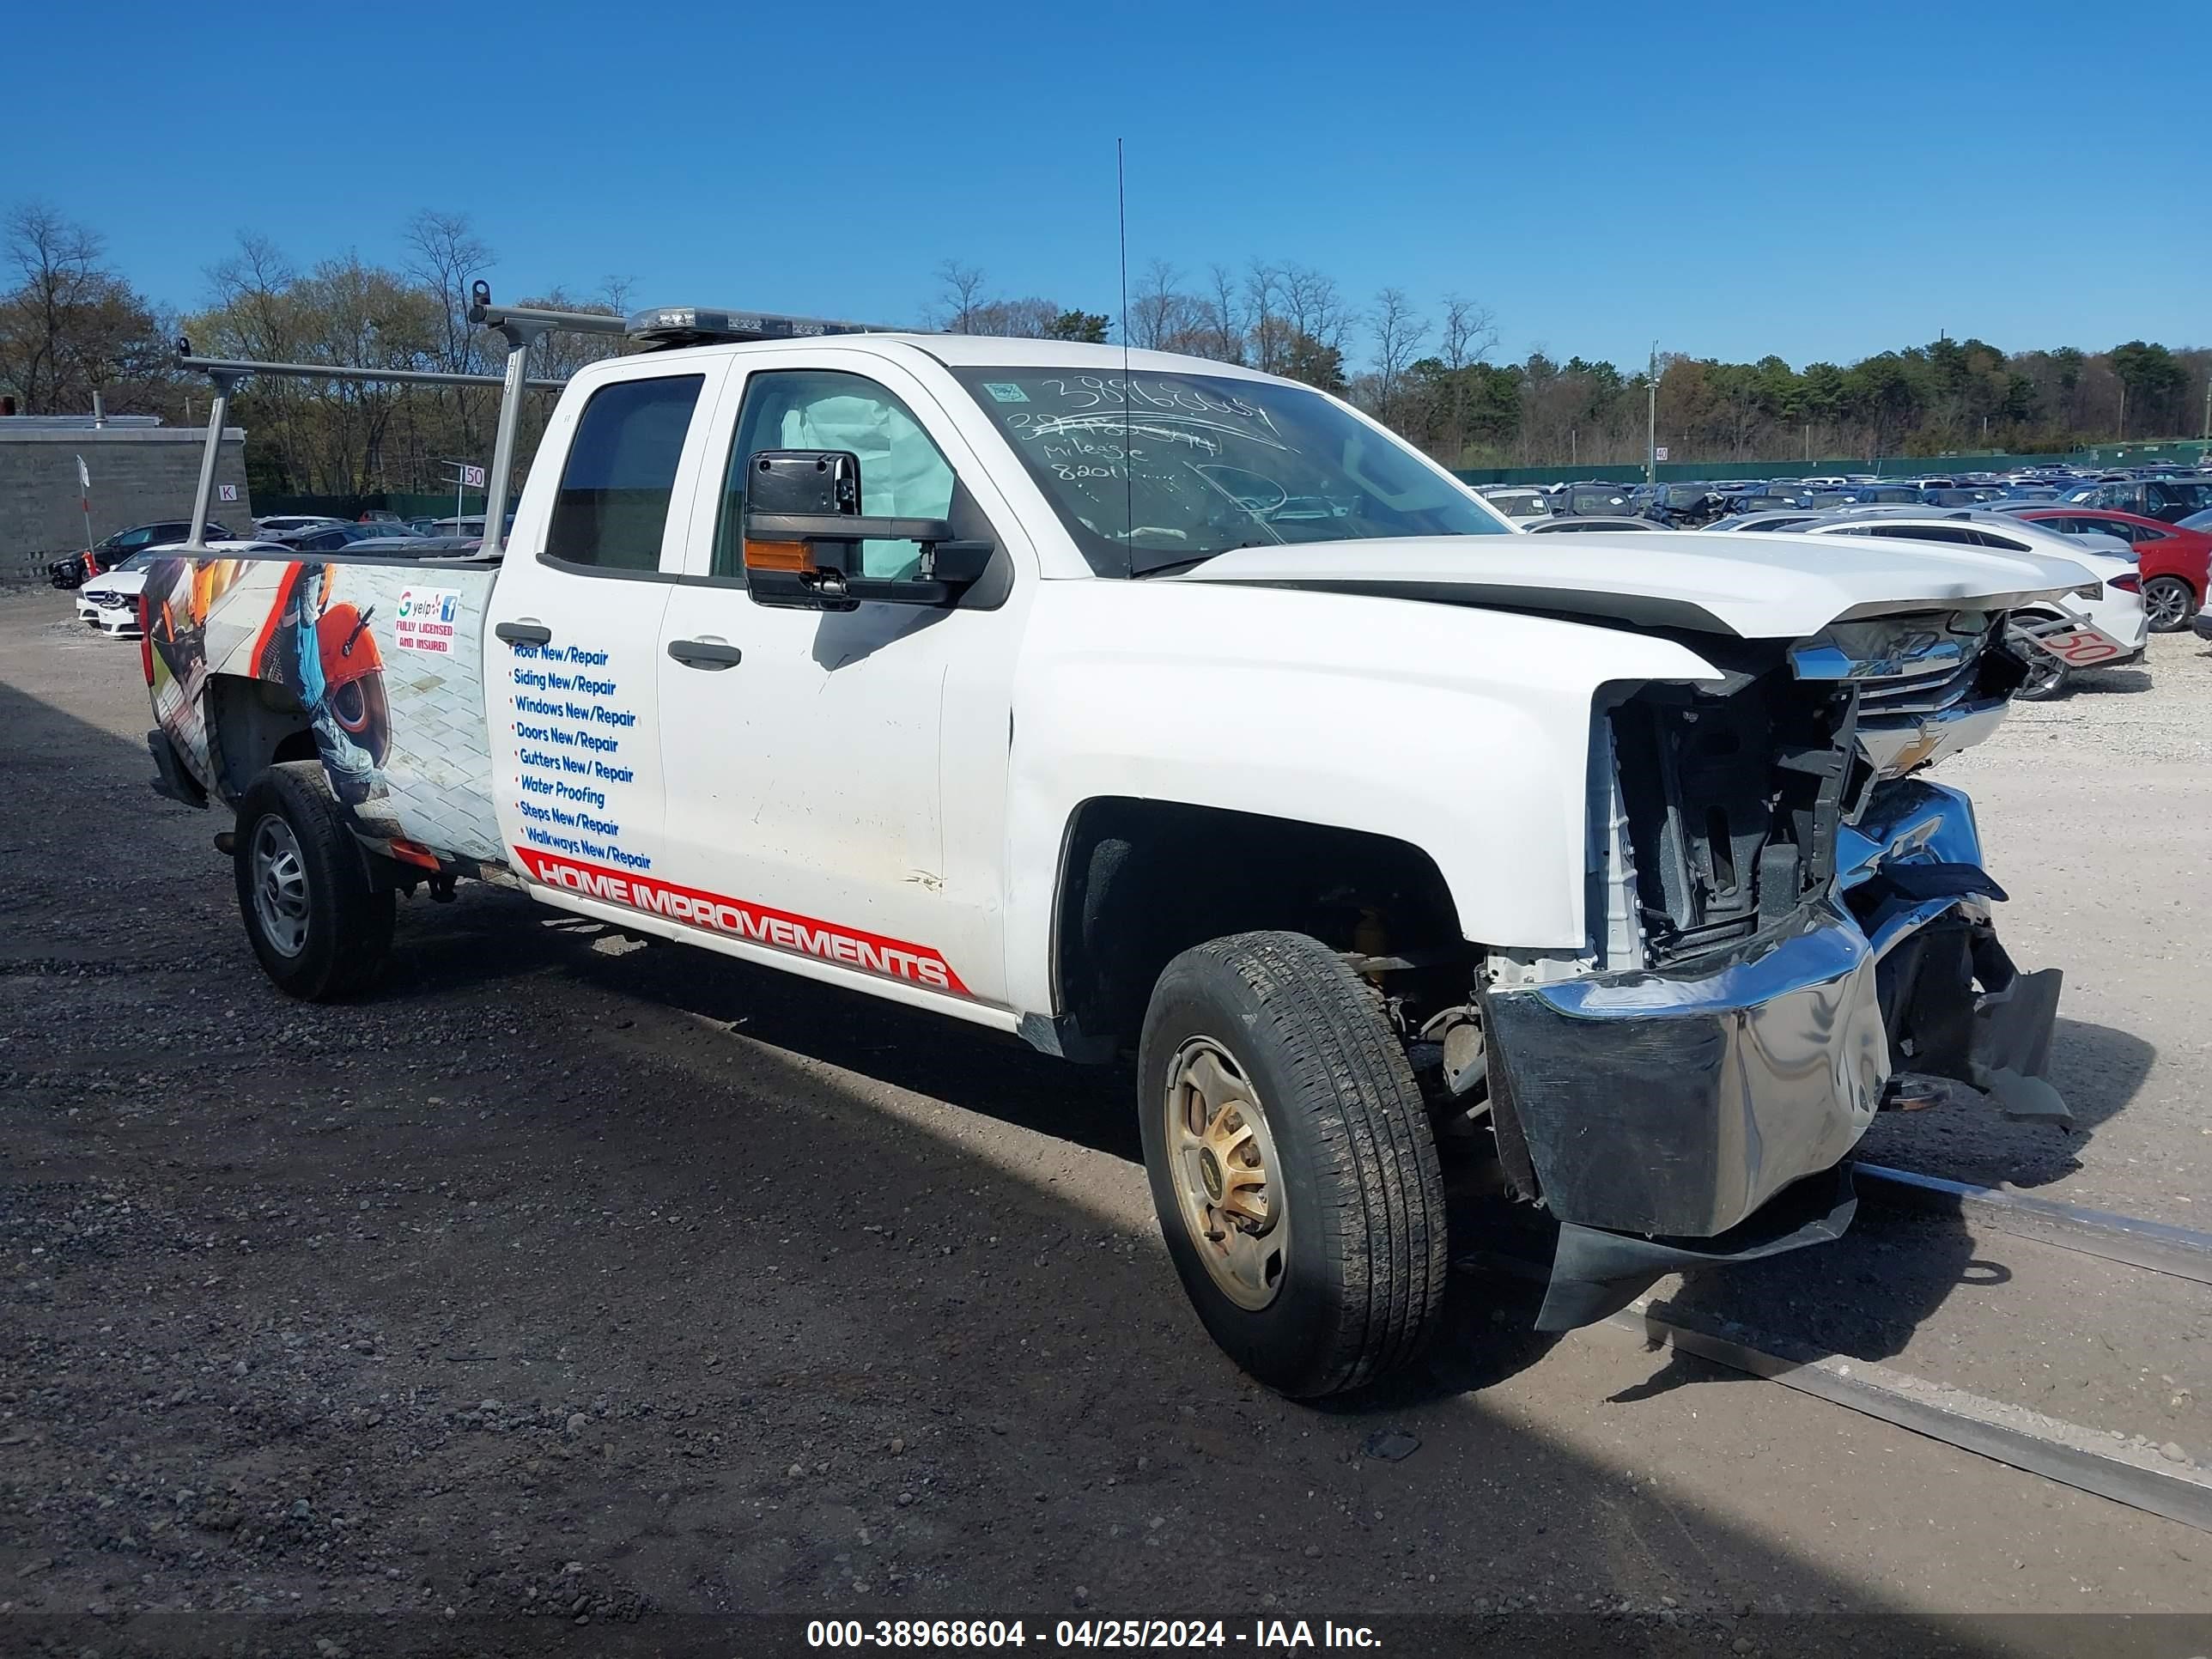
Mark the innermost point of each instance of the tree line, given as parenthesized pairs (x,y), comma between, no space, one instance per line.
(71,326)
(1431,375)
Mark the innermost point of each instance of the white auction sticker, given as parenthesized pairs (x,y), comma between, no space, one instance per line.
(427,619)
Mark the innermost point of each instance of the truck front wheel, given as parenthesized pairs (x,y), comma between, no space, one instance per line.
(319,923)
(1291,1163)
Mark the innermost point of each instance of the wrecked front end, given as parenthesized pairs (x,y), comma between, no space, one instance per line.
(1790,931)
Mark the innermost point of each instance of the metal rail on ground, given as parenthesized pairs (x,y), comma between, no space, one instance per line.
(2126,1472)
(2153,1245)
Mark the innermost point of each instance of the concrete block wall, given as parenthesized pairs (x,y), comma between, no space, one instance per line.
(138,473)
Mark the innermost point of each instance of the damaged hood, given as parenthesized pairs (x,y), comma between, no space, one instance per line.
(1755,586)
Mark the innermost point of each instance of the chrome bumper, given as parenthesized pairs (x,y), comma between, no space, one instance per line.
(1675,1105)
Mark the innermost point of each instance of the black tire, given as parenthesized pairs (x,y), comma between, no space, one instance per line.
(2171,603)
(2046,676)
(347,913)
(1359,1292)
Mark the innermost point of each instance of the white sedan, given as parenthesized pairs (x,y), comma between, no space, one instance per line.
(109,602)
(2081,631)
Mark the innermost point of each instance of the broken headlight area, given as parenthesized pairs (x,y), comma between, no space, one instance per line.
(1735,792)
(1733,799)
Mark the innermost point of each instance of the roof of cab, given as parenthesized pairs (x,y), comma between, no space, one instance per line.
(981,351)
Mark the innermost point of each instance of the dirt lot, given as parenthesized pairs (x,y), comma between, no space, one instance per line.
(571,1290)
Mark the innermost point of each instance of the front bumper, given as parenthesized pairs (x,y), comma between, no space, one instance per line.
(109,619)
(1677,1105)
(1671,1106)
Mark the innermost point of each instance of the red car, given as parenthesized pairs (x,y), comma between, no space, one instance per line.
(2173,561)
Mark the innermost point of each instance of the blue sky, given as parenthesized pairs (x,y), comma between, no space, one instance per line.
(1821,181)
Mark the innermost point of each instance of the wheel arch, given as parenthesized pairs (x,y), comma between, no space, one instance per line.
(252,725)
(1141,880)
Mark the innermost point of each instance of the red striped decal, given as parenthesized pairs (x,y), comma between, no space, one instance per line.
(779,929)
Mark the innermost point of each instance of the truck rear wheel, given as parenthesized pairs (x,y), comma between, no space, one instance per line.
(1291,1163)
(319,922)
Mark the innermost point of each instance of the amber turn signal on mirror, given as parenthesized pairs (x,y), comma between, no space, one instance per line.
(786,558)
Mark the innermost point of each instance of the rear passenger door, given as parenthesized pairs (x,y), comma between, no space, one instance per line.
(571,684)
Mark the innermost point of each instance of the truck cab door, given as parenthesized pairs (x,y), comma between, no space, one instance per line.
(837,779)
(571,681)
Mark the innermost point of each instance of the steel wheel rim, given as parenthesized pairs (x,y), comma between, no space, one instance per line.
(280,886)
(1227,1178)
(2168,604)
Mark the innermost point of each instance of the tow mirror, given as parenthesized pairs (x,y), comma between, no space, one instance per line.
(802,530)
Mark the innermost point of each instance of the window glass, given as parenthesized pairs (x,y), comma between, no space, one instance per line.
(1159,470)
(1926,533)
(612,508)
(904,475)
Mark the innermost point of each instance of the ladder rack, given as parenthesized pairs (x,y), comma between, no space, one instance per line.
(521,327)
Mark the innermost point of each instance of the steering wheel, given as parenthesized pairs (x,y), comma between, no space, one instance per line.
(1270,497)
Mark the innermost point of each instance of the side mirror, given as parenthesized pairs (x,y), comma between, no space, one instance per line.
(802,530)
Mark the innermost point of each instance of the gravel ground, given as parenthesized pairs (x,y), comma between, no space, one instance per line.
(571,1291)
(2095,808)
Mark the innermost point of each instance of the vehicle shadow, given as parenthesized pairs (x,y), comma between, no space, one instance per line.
(2098,1071)
(1503,1249)
(1866,1296)
(2106,682)
(487,935)
(1490,1310)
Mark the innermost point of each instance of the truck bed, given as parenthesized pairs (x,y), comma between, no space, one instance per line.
(384,655)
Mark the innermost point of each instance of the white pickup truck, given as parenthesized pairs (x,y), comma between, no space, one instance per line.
(1132,703)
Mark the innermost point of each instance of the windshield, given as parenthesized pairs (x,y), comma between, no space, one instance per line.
(1157,471)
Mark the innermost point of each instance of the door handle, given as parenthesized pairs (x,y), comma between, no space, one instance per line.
(524,632)
(705,653)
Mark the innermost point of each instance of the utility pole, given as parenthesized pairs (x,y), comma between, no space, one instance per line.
(2123,411)
(1651,420)
(2207,409)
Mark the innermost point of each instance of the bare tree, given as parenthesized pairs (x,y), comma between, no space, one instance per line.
(253,316)
(54,261)
(959,297)
(1224,321)
(1470,336)
(1398,333)
(1157,313)
(70,327)
(445,256)
(1315,308)
(1268,333)
(1470,332)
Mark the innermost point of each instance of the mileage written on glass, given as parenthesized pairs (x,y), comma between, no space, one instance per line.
(1157,471)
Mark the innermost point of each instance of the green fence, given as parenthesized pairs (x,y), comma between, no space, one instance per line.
(2174,452)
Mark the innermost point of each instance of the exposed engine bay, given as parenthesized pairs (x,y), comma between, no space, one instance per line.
(1789,929)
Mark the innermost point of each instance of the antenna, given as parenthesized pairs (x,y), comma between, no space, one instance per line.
(1128,467)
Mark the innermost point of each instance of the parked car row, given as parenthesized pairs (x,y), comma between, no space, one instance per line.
(107,599)
(2166,495)
(72,569)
